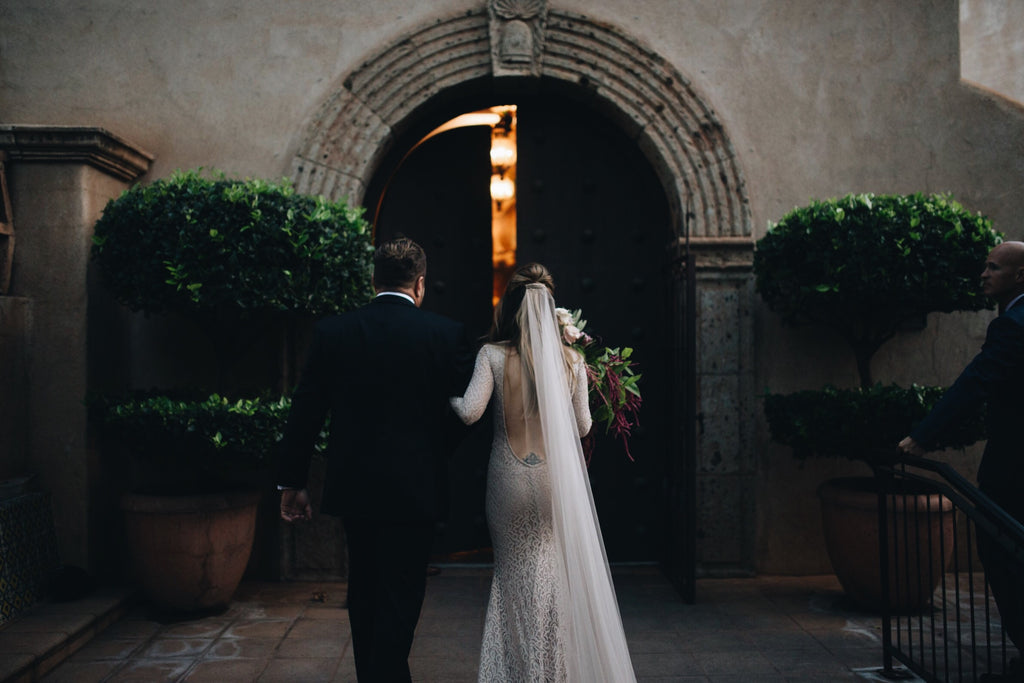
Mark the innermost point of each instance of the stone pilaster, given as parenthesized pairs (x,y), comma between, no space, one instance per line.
(725,404)
(60,178)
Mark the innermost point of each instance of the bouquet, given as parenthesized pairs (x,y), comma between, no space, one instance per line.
(614,386)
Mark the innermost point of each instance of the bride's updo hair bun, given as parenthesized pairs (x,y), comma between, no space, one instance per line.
(531,273)
(505,326)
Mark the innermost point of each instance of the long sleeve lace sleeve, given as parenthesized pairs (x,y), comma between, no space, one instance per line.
(581,397)
(470,407)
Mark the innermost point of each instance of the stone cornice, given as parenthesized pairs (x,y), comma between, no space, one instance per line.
(719,253)
(84,144)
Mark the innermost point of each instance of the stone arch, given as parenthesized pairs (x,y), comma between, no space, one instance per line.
(677,130)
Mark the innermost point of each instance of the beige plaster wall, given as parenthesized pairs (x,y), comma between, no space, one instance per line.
(819,99)
(991,52)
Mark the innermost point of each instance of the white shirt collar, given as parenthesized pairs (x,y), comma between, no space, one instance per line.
(401,294)
(1015,300)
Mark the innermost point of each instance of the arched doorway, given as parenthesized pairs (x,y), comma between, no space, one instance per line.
(371,111)
(589,207)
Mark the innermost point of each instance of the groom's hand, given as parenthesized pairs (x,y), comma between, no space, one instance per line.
(295,505)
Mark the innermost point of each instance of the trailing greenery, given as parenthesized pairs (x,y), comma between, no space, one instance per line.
(865,265)
(194,244)
(859,424)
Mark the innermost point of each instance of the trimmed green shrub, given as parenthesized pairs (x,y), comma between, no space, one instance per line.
(241,258)
(865,265)
(192,444)
(198,245)
(859,424)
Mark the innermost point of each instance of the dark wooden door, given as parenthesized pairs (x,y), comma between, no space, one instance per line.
(591,209)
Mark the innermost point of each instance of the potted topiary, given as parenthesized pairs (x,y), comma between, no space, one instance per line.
(239,258)
(867,266)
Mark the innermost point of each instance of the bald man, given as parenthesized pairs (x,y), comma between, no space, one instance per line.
(995,377)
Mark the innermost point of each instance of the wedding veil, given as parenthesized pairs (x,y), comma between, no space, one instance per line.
(595,643)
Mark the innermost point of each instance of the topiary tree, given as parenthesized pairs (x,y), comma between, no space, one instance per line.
(238,257)
(233,255)
(865,265)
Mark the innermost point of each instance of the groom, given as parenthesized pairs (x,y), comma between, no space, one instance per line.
(383,373)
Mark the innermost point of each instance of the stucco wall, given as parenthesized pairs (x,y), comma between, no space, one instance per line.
(991,52)
(817,99)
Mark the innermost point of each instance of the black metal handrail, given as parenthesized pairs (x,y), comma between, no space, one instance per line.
(928,547)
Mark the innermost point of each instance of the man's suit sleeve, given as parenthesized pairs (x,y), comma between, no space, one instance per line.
(999,356)
(310,404)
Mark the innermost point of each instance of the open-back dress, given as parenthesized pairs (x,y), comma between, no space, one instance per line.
(524,633)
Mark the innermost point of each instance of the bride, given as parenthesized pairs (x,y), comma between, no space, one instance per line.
(552,614)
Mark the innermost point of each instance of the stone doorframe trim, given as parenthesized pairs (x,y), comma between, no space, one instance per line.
(644,94)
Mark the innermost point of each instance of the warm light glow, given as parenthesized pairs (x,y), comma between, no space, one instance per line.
(476,118)
(503,151)
(502,189)
(502,122)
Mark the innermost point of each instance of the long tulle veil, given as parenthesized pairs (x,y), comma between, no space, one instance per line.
(595,643)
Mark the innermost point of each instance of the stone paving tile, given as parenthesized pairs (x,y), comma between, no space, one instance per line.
(104,649)
(734,662)
(311,647)
(456,649)
(151,671)
(203,628)
(29,643)
(82,671)
(242,648)
(176,648)
(643,642)
(131,627)
(307,670)
(346,672)
(662,664)
(788,629)
(42,622)
(258,628)
(439,668)
(222,671)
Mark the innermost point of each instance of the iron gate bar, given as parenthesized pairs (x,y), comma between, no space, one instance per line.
(980,516)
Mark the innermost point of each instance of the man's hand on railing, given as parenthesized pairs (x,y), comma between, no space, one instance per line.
(912,447)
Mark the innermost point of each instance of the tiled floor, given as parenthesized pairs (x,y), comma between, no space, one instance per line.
(762,629)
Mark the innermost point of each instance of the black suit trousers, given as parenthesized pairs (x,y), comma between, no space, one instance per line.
(386,586)
(1004,572)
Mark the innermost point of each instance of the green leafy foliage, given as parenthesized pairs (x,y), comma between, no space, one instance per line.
(888,256)
(859,424)
(865,265)
(193,443)
(238,257)
(613,384)
(242,431)
(192,244)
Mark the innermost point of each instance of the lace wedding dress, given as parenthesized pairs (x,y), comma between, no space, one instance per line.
(552,614)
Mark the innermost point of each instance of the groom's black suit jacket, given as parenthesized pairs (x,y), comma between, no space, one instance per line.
(995,377)
(384,373)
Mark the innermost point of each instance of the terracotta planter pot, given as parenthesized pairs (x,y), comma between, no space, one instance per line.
(189,552)
(920,541)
